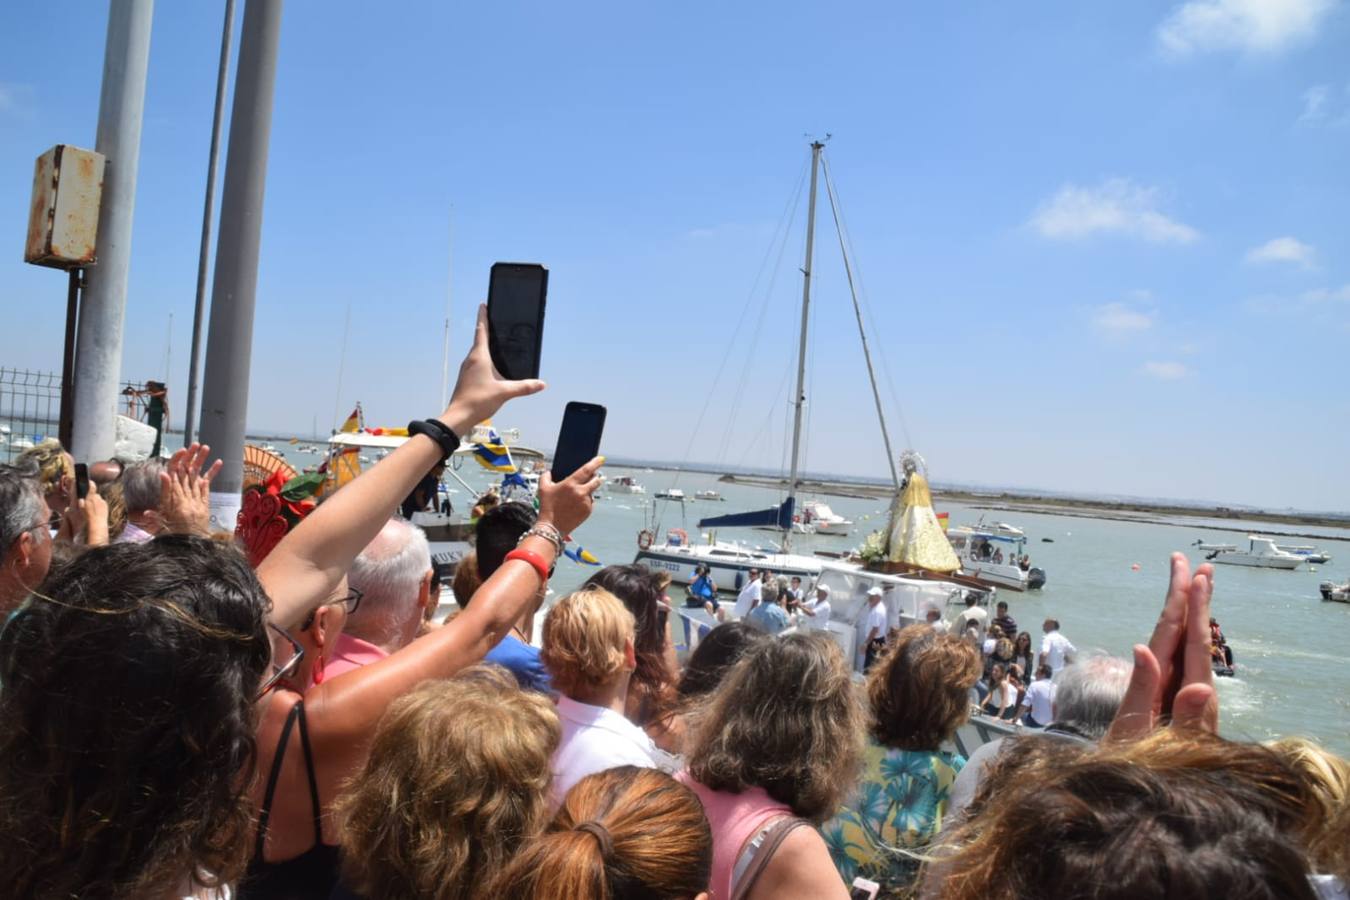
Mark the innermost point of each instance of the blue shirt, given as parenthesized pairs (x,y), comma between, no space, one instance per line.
(522,661)
(768,617)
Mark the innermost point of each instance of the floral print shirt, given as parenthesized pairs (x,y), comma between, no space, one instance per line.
(899,803)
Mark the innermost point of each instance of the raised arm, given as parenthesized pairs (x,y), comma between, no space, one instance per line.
(310,561)
(343,712)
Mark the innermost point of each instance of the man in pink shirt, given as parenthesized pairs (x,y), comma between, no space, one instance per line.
(394,577)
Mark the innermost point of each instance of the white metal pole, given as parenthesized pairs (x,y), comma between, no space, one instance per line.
(98,360)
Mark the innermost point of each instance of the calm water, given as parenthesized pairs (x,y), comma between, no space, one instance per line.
(1290,646)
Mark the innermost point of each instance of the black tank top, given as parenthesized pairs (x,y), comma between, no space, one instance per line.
(312,874)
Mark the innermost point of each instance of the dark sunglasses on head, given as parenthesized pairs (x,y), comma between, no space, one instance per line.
(286,669)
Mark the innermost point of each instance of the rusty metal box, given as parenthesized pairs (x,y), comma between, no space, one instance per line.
(63,214)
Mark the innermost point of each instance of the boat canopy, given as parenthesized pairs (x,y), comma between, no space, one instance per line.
(394,441)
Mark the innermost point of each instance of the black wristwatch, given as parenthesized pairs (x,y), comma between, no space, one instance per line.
(439,432)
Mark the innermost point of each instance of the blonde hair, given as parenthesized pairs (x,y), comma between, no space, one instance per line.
(456,780)
(585,637)
(52,462)
(622,834)
(1326,829)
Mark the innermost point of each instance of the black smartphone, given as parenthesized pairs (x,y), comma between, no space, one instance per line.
(579,438)
(81,480)
(516,294)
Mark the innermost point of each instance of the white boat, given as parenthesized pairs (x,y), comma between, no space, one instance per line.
(1310,554)
(995,553)
(1261,553)
(707,495)
(823,520)
(21,443)
(624,484)
(1338,592)
(674,494)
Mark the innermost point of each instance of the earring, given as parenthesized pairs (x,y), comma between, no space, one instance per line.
(318,669)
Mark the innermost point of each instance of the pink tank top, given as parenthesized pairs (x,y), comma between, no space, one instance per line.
(734,819)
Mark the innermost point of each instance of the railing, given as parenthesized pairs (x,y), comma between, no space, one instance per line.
(30,408)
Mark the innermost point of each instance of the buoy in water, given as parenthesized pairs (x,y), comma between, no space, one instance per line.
(1134,568)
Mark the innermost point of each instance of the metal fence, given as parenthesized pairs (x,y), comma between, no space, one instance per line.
(30,408)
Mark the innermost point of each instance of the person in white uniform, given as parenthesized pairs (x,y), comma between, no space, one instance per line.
(871,627)
(749,596)
(589,650)
(816,612)
(1056,649)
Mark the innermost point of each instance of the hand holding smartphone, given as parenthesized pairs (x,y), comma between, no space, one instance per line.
(516,296)
(578,439)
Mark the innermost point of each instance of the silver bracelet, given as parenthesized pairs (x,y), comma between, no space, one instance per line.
(538,531)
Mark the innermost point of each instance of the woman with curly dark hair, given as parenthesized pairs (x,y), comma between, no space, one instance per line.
(128,746)
(919,693)
(775,747)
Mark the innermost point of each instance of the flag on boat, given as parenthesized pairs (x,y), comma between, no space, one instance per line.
(581,555)
(942,520)
(492,454)
(354,422)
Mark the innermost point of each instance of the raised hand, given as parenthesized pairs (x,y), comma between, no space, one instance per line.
(1172,676)
(567,504)
(480,389)
(185,491)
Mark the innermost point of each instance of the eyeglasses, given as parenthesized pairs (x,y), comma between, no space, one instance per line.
(284,669)
(351,600)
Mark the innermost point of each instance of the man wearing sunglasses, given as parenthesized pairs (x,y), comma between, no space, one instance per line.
(25,540)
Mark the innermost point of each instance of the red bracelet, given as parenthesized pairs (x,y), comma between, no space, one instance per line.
(534,559)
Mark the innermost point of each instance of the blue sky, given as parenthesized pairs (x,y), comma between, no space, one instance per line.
(1103,246)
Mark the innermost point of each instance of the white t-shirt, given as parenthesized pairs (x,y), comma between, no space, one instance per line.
(1056,648)
(874,617)
(821,620)
(1040,697)
(1009,697)
(595,739)
(747,598)
(974,614)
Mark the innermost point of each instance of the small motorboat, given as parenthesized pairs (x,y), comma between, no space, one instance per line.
(1340,593)
(707,495)
(1261,553)
(673,494)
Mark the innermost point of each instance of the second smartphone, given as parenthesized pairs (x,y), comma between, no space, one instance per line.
(578,439)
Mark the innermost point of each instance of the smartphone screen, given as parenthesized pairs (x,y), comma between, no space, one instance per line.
(81,480)
(579,439)
(863,889)
(516,294)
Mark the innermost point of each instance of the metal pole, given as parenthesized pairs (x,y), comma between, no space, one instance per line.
(98,360)
(68,358)
(208,210)
(816,147)
(229,346)
(862,332)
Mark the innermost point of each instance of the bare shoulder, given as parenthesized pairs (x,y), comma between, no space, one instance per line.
(801,868)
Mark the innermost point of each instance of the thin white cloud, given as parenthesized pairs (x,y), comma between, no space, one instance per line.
(1249,26)
(1165,371)
(1319,296)
(1119,319)
(1315,103)
(1282,250)
(1116,206)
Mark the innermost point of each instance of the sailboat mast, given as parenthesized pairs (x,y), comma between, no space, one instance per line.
(445,337)
(816,147)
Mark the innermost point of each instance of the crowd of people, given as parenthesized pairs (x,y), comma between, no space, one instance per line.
(184,719)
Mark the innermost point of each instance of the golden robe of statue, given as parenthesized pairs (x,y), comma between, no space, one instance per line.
(916,537)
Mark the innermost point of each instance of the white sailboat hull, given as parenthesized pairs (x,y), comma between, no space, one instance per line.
(1258,561)
(729,564)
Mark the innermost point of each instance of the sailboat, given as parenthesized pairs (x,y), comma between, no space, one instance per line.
(907,598)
